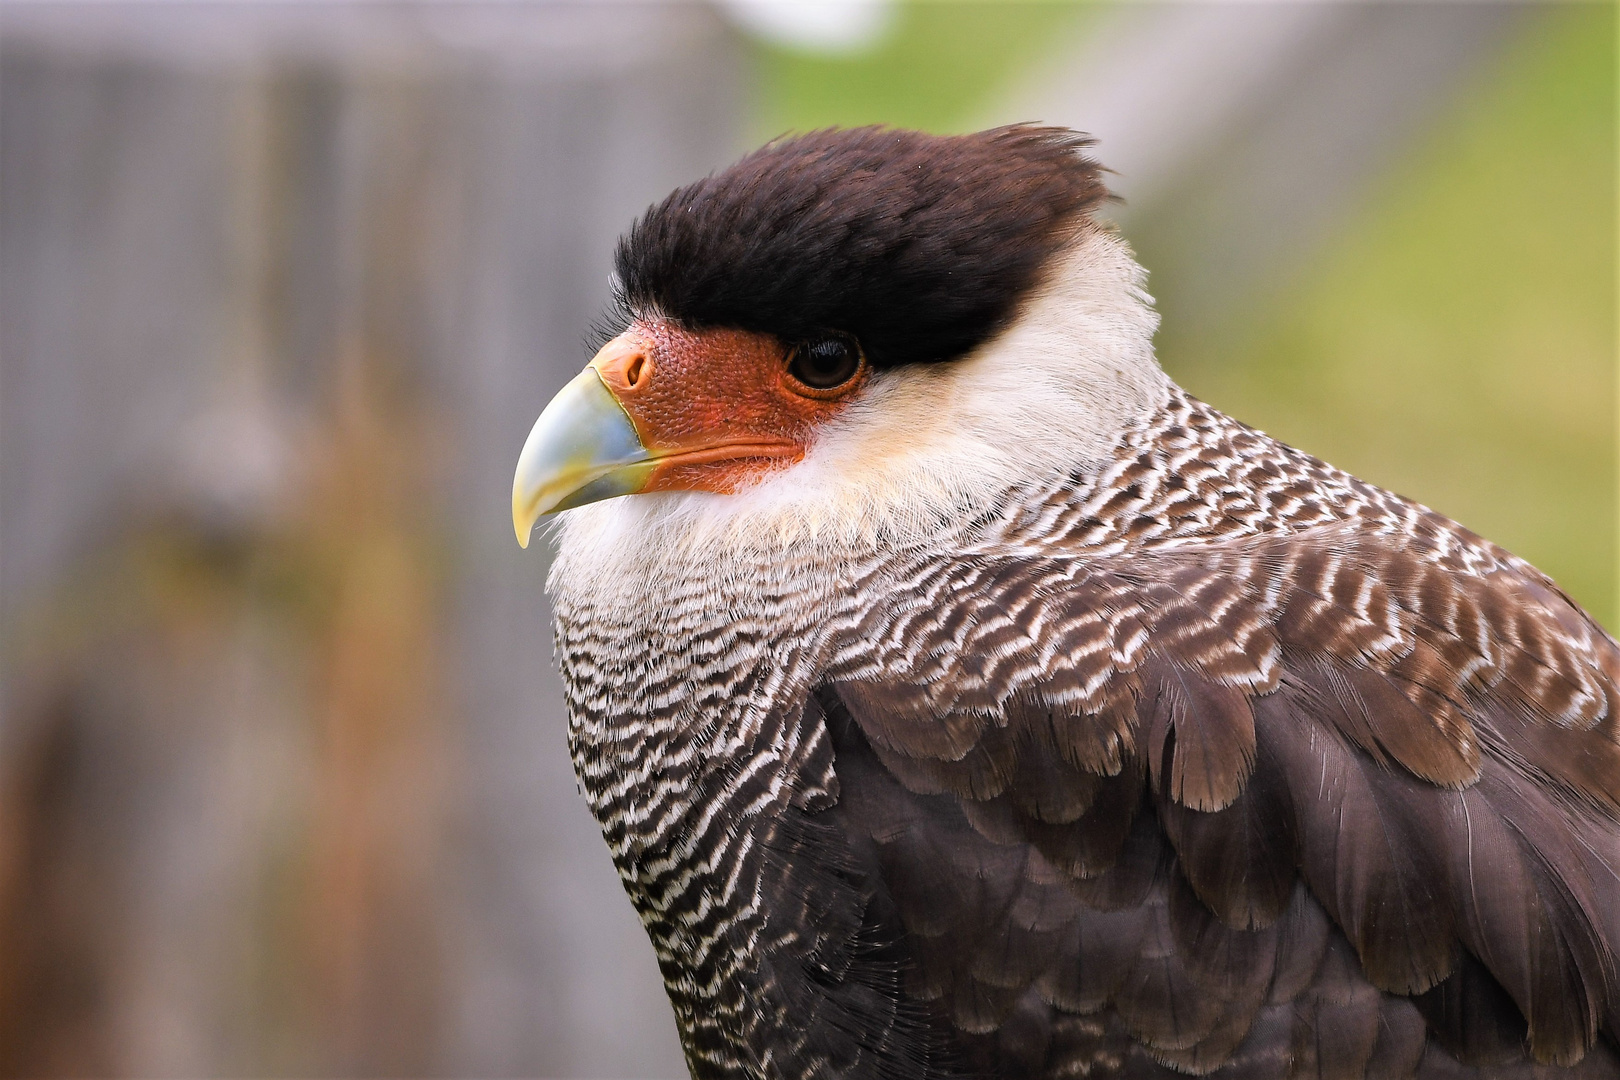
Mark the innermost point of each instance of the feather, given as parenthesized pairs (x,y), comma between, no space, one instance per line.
(1473,1017)
(1200,736)
(1368,707)
(1340,1017)
(1161,1000)
(1402,1039)
(1240,860)
(1360,848)
(1529,913)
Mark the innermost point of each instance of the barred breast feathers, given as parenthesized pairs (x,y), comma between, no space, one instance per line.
(923,449)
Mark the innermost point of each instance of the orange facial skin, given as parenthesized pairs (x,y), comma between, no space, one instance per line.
(717,407)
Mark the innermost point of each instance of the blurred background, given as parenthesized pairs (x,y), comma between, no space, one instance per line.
(283,782)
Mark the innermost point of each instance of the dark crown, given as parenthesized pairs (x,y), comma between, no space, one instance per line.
(919,245)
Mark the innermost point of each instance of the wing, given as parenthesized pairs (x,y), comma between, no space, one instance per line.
(1316,804)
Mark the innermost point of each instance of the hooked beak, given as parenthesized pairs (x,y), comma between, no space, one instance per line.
(665,408)
(583,448)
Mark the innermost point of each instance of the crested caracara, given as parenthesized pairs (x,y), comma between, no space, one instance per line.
(958,697)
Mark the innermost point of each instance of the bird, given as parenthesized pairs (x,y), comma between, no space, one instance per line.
(960,697)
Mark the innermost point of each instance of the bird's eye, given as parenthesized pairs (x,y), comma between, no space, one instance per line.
(826,362)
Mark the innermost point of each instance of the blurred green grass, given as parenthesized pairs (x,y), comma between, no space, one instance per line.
(1455,340)
(936,66)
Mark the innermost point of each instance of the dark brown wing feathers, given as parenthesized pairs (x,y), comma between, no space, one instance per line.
(1306,805)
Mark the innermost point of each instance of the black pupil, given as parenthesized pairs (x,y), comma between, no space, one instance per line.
(825,362)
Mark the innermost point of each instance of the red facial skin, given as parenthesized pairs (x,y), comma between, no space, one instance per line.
(717,407)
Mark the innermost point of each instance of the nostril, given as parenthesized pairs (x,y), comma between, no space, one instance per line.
(635,371)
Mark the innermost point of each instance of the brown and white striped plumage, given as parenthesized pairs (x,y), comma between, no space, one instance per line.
(1186,753)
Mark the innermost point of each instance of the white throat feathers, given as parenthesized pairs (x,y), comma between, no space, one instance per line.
(921,448)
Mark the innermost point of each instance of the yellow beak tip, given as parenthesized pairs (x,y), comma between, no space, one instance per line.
(524,516)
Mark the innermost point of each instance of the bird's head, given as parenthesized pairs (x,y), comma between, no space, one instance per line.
(880,321)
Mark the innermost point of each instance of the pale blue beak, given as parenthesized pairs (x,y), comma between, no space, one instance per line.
(582,449)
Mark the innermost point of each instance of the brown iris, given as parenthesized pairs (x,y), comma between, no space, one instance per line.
(826,364)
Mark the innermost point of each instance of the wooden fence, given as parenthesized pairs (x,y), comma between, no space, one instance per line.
(283,782)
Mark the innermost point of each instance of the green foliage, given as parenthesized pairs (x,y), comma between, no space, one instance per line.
(1457,342)
(933,69)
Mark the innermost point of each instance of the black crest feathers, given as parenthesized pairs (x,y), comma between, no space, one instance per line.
(919,245)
